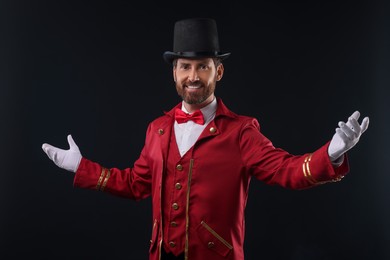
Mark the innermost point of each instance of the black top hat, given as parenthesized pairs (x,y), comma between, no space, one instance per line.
(195,38)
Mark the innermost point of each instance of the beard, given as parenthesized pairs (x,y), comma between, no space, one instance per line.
(197,96)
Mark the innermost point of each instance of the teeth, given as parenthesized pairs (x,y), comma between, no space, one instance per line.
(193,87)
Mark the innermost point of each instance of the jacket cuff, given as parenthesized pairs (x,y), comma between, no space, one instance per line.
(319,169)
(89,175)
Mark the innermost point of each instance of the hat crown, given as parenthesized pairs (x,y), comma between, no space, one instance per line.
(195,38)
(196,35)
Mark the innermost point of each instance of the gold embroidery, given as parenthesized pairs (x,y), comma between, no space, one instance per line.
(216,235)
(154,226)
(100,178)
(187,206)
(105,180)
(161,215)
(306,169)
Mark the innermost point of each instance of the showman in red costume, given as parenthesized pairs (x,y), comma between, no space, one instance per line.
(198,158)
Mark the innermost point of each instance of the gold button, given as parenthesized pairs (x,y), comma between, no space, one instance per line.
(175,206)
(172,244)
(173,224)
(210,244)
(179,167)
(178,186)
(160,131)
(213,130)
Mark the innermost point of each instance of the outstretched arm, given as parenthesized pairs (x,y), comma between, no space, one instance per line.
(130,182)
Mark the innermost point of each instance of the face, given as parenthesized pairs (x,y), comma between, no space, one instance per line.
(196,80)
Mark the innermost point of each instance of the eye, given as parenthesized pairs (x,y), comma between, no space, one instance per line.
(203,67)
(184,66)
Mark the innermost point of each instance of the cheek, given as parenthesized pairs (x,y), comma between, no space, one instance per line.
(180,78)
(179,74)
(213,79)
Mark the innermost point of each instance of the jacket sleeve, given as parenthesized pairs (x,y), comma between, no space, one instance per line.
(134,183)
(276,166)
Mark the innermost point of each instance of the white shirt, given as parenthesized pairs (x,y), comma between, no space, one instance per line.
(187,133)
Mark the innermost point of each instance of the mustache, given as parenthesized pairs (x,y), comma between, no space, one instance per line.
(197,83)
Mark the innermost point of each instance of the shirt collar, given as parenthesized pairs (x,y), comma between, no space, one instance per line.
(208,111)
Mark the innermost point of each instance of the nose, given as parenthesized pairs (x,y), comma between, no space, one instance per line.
(193,75)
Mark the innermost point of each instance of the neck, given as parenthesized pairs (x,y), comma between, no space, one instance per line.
(193,107)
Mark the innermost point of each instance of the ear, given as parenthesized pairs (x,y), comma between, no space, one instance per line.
(220,70)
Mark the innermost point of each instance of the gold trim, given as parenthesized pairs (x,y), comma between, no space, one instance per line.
(187,206)
(154,226)
(161,215)
(307,164)
(306,169)
(204,224)
(102,174)
(105,180)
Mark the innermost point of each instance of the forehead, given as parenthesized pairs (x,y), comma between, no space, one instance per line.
(195,61)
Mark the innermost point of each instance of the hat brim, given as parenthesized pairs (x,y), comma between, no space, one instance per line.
(170,56)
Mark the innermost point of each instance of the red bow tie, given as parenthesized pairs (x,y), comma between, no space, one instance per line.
(182,117)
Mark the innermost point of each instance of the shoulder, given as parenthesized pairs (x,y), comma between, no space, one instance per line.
(237,122)
(225,115)
(161,119)
(244,121)
(161,123)
(166,118)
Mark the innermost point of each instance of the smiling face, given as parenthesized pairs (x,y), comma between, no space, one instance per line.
(196,80)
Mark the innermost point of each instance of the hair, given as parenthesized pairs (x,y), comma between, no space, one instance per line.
(217,62)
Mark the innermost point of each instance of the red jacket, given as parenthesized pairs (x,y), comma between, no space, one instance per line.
(228,153)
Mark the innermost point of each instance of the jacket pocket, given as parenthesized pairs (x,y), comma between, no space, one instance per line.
(153,239)
(212,240)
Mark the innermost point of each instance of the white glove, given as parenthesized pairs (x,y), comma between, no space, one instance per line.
(66,159)
(347,135)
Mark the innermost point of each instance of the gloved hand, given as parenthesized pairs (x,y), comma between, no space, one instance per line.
(347,135)
(66,159)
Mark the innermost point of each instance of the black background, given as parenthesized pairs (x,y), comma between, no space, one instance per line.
(94,69)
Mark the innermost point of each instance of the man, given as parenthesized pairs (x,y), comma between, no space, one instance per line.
(199,157)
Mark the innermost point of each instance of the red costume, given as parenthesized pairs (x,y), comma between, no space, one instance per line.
(199,199)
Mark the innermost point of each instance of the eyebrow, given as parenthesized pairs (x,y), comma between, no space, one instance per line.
(202,63)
